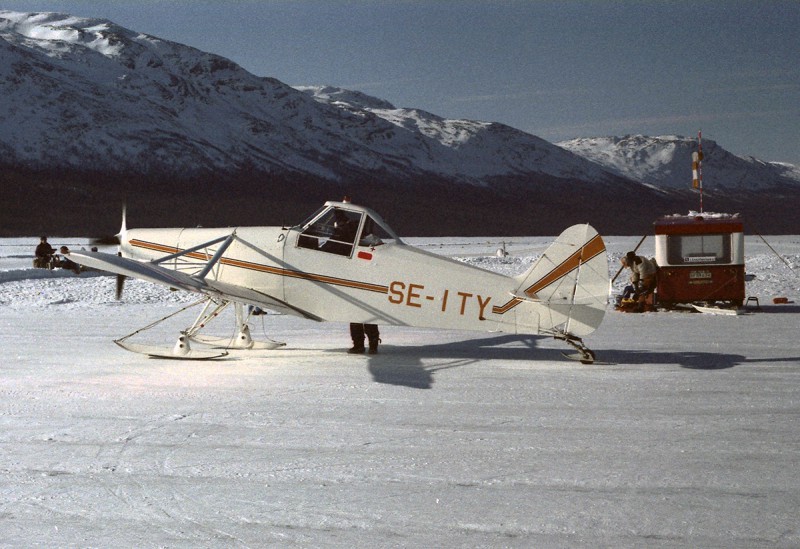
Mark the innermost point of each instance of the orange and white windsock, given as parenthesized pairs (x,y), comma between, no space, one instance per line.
(697,168)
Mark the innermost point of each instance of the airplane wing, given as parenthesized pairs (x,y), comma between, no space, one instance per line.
(174,279)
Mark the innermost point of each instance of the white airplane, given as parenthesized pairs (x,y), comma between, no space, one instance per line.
(345,264)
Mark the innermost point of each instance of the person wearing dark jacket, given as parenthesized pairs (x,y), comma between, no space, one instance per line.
(44,254)
(44,249)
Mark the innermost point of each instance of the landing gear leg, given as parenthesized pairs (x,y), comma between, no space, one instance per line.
(584,354)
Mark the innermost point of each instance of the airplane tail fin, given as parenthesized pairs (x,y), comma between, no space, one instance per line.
(569,282)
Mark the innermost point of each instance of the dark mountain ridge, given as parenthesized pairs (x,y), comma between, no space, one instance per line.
(95,115)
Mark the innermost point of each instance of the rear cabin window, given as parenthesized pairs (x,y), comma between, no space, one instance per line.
(333,233)
(373,234)
(698,249)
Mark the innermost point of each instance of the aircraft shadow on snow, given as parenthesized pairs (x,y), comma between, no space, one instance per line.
(404,365)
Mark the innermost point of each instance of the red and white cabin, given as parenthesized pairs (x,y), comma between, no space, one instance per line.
(700,259)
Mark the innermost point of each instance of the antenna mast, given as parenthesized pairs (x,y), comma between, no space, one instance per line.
(697,168)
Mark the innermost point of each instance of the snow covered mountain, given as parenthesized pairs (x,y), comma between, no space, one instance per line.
(89,94)
(94,114)
(665,162)
(469,149)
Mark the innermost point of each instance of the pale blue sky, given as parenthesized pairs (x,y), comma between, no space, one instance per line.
(555,69)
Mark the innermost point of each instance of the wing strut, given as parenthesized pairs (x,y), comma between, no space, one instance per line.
(194,249)
(217,256)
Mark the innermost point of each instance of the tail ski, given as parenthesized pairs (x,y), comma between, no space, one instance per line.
(569,283)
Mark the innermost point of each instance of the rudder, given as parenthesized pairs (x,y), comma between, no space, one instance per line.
(569,282)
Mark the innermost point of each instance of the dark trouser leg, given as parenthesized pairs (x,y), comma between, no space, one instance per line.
(374,337)
(357,334)
(645,293)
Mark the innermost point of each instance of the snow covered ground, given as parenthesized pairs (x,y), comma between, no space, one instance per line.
(687,433)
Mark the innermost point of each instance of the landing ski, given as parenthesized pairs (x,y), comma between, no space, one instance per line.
(173,353)
(583,359)
(717,310)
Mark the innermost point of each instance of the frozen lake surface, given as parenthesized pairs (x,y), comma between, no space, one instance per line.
(686,434)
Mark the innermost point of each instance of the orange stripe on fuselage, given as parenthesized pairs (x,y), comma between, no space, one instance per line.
(153,246)
(278,271)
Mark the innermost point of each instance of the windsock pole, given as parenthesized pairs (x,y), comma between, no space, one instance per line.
(697,168)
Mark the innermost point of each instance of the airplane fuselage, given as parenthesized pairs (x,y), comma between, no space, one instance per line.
(388,283)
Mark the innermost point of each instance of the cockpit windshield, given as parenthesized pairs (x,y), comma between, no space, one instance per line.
(333,232)
(337,228)
(313,216)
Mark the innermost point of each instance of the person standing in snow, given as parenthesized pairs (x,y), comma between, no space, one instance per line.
(357,333)
(358,330)
(643,278)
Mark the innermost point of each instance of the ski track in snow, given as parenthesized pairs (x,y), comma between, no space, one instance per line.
(686,434)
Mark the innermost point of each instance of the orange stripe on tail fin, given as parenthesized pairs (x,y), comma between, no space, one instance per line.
(592,248)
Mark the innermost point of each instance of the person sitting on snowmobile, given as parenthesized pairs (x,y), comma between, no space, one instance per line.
(44,254)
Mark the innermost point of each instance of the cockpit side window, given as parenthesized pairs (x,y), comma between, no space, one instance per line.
(334,232)
(373,234)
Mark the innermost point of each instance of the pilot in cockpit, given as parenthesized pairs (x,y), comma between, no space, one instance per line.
(344,233)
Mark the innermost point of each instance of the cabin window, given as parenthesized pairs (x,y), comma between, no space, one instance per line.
(373,234)
(334,232)
(699,249)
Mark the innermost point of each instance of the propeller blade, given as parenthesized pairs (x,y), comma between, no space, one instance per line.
(120,286)
(106,240)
